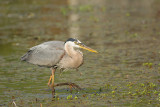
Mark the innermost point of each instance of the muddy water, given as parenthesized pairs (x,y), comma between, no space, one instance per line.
(125,72)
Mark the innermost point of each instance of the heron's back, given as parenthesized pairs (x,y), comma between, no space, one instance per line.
(46,54)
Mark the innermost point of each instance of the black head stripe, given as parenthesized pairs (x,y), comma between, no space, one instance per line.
(71,39)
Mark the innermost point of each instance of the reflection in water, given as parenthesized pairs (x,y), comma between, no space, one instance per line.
(73,29)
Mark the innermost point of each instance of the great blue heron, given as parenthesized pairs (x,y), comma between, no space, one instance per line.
(55,54)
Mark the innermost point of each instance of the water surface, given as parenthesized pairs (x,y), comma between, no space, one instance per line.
(126,33)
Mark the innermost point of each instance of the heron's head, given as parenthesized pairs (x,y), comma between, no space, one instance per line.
(78,44)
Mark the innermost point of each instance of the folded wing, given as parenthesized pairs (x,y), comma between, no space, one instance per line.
(45,54)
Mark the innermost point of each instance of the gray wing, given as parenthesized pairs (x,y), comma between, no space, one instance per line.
(45,54)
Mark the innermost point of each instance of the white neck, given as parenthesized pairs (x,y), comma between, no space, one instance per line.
(70,50)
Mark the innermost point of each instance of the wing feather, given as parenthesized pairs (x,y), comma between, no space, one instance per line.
(45,54)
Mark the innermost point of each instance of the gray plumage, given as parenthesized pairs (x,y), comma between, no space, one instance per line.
(46,54)
(57,53)
(53,53)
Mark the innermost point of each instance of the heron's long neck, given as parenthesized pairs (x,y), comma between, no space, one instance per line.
(70,50)
(74,58)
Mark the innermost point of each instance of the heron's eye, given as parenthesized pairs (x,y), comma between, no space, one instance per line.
(76,43)
(80,44)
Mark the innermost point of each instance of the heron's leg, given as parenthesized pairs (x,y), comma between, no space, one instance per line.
(53,72)
(49,82)
(52,85)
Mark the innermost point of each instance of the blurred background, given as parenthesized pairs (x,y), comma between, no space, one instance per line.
(126,72)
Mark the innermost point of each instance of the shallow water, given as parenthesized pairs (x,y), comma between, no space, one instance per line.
(125,72)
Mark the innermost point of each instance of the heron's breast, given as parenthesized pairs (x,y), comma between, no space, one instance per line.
(71,62)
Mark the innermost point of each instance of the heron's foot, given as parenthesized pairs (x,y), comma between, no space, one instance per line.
(71,85)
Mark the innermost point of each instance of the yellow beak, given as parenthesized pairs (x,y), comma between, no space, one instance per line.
(87,48)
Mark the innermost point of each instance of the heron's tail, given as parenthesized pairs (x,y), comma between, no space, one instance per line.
(25,56)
